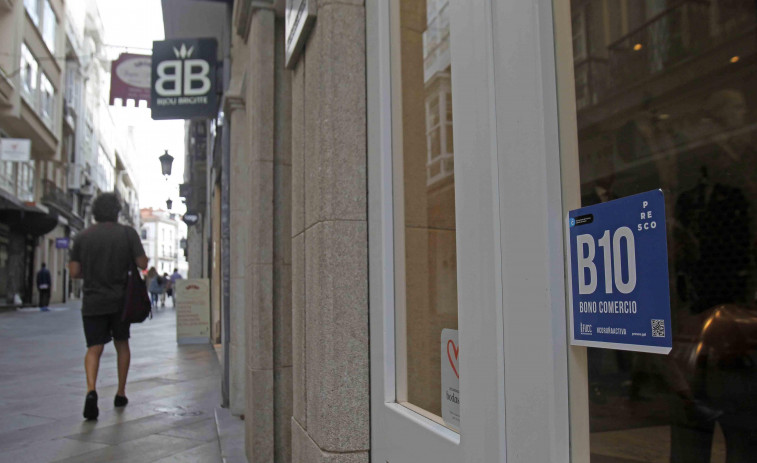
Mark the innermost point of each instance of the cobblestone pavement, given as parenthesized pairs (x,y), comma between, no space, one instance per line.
(173,394)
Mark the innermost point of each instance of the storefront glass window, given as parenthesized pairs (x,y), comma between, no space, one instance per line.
(665,99)
(423,160)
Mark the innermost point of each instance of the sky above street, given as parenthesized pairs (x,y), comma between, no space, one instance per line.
(131,27)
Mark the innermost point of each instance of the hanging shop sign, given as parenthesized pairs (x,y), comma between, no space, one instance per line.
(618,272)
(300,16)
(15,149)
(450,379)
(62,243)
(130,78)
(184,79)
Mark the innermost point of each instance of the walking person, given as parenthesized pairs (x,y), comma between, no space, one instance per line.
(164,283)
(174,276)
(153,286)
(43,286)
(102,255)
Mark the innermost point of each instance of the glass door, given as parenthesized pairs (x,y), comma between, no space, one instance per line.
(664,98)
(436,325)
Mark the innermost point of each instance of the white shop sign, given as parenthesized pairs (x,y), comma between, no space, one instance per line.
(450,379)
(192,311)
(15,149)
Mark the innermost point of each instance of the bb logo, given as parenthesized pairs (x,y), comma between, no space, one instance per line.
(183,76)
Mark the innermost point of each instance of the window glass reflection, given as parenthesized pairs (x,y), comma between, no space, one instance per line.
(664,94)
(427,169)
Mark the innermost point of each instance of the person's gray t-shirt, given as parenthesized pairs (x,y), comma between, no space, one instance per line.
(105,251)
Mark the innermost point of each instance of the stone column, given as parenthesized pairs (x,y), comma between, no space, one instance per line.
(331,421)
(241,221)
(259,276)
(282,252)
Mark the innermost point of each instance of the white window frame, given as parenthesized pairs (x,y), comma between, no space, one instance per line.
(33,10)
(47,99)
(49,27)
(511,277)
(29,85)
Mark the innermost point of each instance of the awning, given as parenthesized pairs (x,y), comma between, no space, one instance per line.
(29,221)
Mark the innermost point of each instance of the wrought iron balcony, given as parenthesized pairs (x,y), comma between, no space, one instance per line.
(57,198)
(686,30)
(591,81)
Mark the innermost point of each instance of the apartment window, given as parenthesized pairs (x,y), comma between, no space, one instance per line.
(49,27)
(144,233)
(43,16)
(26,181)
(32,8)
(29,71)
(47,99)
(7,181)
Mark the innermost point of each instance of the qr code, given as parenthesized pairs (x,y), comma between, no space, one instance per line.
(658,328)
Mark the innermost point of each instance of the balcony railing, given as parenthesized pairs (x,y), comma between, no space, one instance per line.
(17,178)
(591,81)
(54,196)
(677,33)
(685,30)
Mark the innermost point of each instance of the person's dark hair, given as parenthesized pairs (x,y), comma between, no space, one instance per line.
(106,207)
(43,265)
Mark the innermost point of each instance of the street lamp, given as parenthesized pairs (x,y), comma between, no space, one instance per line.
(165,164)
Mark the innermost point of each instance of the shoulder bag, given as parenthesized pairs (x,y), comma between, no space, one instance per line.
(137,305)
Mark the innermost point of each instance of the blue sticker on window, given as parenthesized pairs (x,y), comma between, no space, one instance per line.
(618,264)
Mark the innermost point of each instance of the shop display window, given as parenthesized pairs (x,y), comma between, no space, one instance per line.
(426,254)
(665,99)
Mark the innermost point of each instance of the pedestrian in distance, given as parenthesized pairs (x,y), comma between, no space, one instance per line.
(164,283)
(43,286)
(154,282)
(174,276)
(102,255)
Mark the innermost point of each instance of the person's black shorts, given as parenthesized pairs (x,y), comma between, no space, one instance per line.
(100,329)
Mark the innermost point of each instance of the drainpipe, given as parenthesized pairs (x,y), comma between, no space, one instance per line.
(226,221)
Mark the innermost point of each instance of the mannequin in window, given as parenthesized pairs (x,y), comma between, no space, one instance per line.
(713,239)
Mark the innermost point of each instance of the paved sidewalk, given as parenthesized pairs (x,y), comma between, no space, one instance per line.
(173,394)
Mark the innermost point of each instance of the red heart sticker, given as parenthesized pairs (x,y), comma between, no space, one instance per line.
(456,350)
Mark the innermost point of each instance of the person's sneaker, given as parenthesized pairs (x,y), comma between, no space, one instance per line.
(90,406)
(44,309)
(120,401)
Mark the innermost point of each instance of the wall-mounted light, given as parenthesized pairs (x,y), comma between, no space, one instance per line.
(169,203)
(637,47)
(735,59)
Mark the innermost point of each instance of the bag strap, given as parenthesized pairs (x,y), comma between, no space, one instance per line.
(132,267)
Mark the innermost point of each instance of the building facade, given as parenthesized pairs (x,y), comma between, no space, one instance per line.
(52,74)
(405,176)
(161,239)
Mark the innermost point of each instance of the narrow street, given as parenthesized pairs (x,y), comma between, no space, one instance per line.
(173,392)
